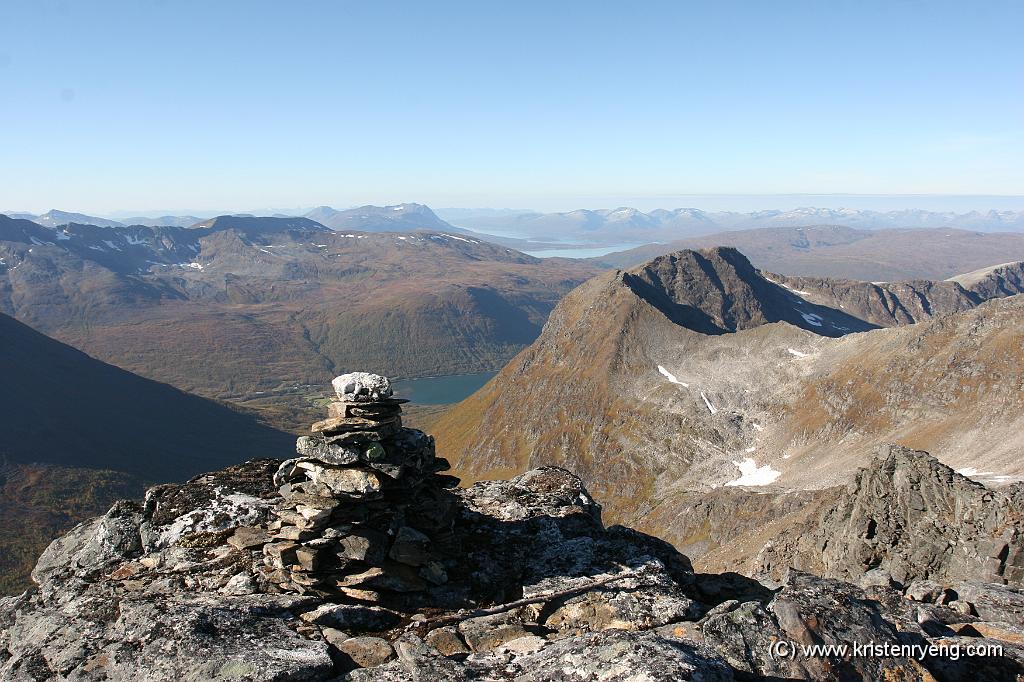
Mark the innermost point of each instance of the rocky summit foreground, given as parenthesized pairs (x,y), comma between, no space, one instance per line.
(356,560)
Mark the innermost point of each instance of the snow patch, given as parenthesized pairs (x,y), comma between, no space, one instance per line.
(751,474)
(711,408)
(111,245)
(797,353)
(461,239)
(786,287)
(813,319)
(971,471)
(758,427)
(671,377)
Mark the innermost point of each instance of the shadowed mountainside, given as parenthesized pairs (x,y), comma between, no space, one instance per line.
(79,433)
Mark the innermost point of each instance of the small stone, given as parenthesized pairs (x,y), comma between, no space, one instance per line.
(334,425)
(302,579)
(361,387)
(247,537)
(379,410)
(375,452)
(487,632)
(317,501)
(447,641)
(433,571)
(410,547)
(367,652)
(308,558)
(370,596)
(127,570)
(333,636)
(351,616)
(925,591)
(281,553)
(961,607)
(360,578)
(288,472)
(350,481)
(320,449)
(289,516)
(363,544)
(314,514)
(362,438)
(239,584)
(295,533)
(523,645)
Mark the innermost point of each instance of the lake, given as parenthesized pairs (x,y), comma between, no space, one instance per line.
(440,390)
(581,252)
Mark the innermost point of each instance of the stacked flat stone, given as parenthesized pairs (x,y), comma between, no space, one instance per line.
(363,512)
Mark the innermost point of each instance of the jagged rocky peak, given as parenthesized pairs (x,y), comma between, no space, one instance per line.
(911,517)
(357,560)
(717,290)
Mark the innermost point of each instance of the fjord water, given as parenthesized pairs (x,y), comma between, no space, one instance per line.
(582,251)
(441,390)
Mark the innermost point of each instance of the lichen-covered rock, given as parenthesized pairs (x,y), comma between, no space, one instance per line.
(993,602)
(361,387)
(609,656)
(616,655)
(367,652)
(523,582)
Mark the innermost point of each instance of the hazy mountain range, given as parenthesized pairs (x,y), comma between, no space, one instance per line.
(836,251)
(590,226)
(629,224)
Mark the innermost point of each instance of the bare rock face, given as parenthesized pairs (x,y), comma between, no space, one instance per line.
(915,519)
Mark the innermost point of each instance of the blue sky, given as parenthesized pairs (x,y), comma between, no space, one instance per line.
(147,105)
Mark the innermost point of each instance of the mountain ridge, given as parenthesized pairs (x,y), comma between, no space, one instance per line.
(661,413)
(278,302)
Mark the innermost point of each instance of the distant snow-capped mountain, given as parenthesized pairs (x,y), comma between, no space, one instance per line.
(665,225)
(55,218)
(396,218)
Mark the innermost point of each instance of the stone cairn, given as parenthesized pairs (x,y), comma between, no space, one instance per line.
(363,514)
